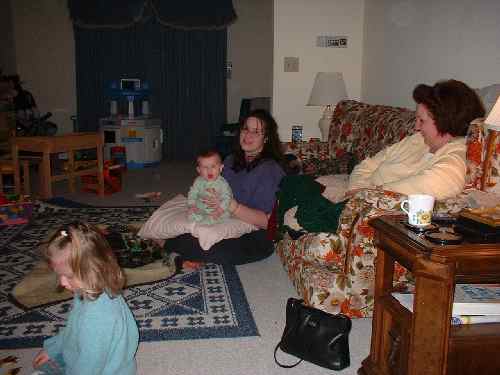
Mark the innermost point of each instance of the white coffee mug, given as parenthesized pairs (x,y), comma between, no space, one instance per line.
(419,208)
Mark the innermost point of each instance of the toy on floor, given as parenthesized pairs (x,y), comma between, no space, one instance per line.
(149,197)
(112,179)
(15,209)
(7,365)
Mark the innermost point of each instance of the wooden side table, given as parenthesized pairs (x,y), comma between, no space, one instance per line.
(424,342)
(62,143)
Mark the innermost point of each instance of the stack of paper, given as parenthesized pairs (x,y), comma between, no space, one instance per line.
(473,303)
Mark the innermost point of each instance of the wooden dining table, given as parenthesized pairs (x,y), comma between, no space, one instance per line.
(67,143)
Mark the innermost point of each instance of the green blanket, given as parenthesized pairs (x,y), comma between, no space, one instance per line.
(315,213)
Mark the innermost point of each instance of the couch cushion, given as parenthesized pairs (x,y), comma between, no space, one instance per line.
(381,126)
(364,129)
(343,134)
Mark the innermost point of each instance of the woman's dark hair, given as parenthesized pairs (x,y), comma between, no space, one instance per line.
(452,105)
(272,144)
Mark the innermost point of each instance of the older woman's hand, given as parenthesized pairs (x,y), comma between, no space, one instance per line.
(352,192)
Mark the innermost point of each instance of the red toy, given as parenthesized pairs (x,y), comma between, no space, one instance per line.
(112,179)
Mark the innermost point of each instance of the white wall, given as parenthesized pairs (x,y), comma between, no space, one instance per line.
(250,50)
(297,23)
(421,41)
(45,56)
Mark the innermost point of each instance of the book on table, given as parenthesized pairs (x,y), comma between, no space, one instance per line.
(474,319)
(469,299)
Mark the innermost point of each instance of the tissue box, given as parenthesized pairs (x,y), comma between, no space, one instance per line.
(15,213)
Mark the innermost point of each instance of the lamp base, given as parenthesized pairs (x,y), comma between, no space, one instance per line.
(324,123)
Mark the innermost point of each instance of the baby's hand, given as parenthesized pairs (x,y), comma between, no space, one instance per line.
(212,199)
(193,210)
(217,213)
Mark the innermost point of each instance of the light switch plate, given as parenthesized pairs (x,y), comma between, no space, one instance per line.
(331,41)
(291,64)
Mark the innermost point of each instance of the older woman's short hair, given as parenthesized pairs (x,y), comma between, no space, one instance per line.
(451,103)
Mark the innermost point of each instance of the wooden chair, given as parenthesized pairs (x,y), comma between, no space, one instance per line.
(7,168)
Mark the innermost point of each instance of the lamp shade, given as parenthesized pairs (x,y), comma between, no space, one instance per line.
(493,119)
(329,88)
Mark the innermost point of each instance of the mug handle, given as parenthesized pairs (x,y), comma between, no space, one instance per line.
(403,203)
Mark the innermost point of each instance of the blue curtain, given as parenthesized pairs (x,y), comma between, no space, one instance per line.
(185,70)
(181,14)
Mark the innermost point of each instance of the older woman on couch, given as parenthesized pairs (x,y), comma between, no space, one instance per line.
(432,161)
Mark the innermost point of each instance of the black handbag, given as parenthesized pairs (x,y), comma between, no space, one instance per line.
(315,336)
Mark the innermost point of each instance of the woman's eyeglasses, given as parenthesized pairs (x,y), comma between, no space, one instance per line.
(254,132)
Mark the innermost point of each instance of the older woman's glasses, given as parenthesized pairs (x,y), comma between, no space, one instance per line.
(254,132)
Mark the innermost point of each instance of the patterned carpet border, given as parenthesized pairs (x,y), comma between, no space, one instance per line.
(239,311)
(199,304)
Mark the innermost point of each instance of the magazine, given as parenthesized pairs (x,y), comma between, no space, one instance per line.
(474,319)
(477,299)
(470,299)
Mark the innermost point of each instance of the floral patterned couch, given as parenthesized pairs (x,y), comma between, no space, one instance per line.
(335,271)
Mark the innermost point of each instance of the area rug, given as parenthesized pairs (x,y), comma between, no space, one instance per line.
(195,304)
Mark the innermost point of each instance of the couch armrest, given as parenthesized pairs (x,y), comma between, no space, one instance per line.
(359,235)
(361,250)
(365,205)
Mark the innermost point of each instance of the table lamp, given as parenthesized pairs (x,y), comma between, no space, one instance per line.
(328,90)
(492,121)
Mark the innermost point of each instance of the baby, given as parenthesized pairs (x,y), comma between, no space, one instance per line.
(209,182)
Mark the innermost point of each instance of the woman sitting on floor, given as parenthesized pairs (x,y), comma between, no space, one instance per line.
(253,172)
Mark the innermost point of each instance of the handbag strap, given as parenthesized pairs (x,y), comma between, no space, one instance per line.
(281,364)
(290,329)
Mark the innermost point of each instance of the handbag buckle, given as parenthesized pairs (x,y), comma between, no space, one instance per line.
(312,323)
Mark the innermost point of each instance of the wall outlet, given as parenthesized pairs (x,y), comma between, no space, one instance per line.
(291,64)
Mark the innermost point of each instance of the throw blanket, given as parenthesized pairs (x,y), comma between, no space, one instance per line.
(315,213)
